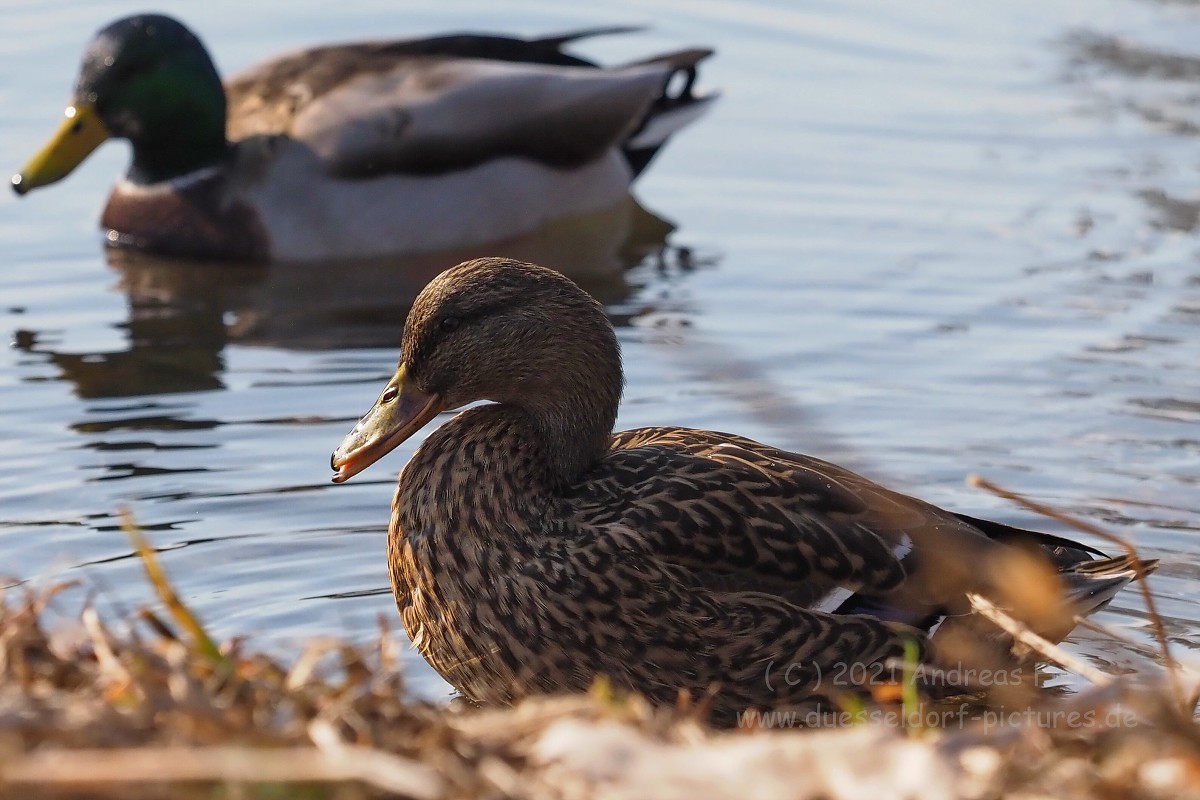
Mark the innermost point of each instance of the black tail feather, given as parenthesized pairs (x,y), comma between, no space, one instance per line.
(586,33)
(1007,533)
(1090,585)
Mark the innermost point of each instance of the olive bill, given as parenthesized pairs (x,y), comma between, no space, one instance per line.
(80,133)
(401,410)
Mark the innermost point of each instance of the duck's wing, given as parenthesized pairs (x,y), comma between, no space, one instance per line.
(493,47)
(722,504)
(742,516)
(264,99)
(323,67)
(417,107)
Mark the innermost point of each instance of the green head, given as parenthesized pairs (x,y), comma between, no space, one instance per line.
(148,79)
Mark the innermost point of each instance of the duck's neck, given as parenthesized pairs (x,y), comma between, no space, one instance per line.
(181,149)
(492,473)
(569,437)
(158,161)
(475,476)
(569,402)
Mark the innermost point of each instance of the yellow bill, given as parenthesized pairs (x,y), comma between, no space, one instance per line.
(80,134)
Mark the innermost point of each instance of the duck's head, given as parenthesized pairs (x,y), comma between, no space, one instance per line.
(148,79)
(507,331)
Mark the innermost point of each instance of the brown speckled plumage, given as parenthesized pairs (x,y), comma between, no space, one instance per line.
(531,549)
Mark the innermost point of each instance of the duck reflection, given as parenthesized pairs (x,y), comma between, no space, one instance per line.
(182,314)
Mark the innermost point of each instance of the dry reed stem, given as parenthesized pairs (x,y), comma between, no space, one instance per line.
(1046,648)
(201,641)
(255,733)
(1156,620)
(261,723)
(224,764)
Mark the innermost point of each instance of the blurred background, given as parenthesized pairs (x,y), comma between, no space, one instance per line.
(921,239)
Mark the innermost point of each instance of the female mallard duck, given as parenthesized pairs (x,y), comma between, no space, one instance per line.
(466,139)
(531,549)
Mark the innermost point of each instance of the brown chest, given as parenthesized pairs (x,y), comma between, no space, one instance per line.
(191,221)
(456,617)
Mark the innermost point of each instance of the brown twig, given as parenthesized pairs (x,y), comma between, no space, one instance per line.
(1156,621)
(289,765)
(1045,647)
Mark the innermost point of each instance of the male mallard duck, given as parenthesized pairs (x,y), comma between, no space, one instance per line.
(466,139)
(531,549)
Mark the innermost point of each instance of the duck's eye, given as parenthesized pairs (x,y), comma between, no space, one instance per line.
(389,394)
(449,324)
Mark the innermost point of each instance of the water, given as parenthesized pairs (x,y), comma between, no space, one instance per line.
(923,240)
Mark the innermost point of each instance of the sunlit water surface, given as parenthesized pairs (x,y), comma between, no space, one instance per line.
(923,239)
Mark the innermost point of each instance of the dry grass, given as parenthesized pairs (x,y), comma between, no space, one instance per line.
(155,713)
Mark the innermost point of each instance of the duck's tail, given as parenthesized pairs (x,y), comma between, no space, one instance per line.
(1092,583)
(675,108)
(558,40)
(1090,577)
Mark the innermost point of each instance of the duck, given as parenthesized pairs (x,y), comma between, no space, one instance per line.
(315,155)
(532,550)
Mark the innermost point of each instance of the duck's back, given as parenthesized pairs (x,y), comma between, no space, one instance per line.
(739,516)
(749,517)
(429,106)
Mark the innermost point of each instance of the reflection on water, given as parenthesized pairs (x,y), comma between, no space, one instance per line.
(1171,213)
(1161,91)
(1136,61)
(183,314)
